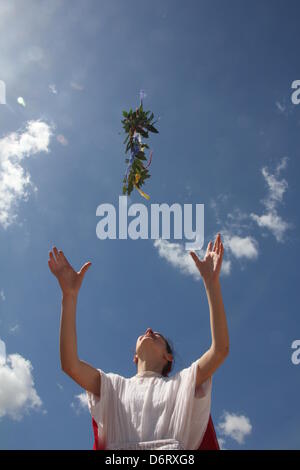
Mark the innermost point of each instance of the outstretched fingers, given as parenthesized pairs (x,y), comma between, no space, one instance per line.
(50,264)
(56,259)
(209,247)
(52,259)
(194,256)
(198,262)
(222,250)
(215,244)
(218,248)
(63,258)
(220,254)
(57,255)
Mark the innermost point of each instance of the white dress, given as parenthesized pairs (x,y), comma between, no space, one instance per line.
(149,411)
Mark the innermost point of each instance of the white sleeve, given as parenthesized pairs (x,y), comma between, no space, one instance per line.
(101,407)
(191,413)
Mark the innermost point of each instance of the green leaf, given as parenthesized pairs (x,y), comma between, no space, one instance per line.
(144,133)
(139,165)
(141,156)
(152,129)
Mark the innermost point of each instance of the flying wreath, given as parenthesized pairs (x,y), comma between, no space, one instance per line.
(137,124)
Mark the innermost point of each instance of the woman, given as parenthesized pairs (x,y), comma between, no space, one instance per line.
(149,410)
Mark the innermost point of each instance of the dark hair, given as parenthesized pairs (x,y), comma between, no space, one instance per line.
(168,367)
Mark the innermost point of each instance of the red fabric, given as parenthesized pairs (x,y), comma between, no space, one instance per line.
(209,441)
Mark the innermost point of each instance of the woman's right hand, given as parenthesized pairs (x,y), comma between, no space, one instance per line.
(69,280)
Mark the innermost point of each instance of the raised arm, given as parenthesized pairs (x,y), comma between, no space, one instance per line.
(70,282)
(209,269)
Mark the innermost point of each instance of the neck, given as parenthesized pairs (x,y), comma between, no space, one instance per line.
(144,366)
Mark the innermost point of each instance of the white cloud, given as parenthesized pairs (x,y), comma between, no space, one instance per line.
(235,245)
(14,329)
(222,199)
(175,254)
(281,165)
(238,220)
(276,189)
(76,86)
(242,247)
(226,267)
(2,296)
(17,392)
(32,54)
(221,442)
(280,106)
(180,258)
(285,109)
(52,88)
(21,101)
(81,404)
(2,352)
(14,180)
(235,426)
(273,222)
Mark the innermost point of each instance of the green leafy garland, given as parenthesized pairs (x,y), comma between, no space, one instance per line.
(137,124)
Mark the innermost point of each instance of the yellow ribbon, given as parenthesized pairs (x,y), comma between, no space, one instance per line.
(137,178)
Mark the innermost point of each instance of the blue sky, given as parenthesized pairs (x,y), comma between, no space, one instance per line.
(218,76)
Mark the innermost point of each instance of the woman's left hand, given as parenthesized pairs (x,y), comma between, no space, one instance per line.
(210,266)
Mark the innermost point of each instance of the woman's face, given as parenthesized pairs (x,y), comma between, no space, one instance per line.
(151,335)
(151,342)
